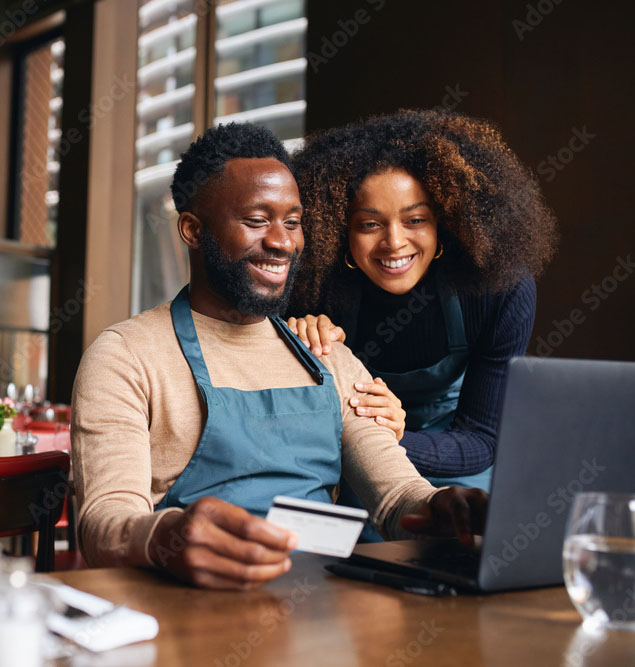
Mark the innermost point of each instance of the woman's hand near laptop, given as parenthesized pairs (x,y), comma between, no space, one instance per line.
(377,401)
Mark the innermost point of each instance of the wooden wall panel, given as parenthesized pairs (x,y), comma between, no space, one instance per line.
(111,167)
(541,77)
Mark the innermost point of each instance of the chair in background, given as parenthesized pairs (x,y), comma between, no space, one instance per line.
(32,493)
(51,426)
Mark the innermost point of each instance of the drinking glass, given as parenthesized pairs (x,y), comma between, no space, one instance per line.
(599,559)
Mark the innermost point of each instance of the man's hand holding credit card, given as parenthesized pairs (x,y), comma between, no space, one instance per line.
(321,528)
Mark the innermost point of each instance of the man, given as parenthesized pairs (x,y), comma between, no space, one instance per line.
(204,409)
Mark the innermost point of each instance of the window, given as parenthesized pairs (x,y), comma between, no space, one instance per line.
(39,78)
(260,70)
(25,281)
(261,65)
(24,313)
(165,128)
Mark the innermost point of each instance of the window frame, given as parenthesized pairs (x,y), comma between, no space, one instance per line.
(19,52)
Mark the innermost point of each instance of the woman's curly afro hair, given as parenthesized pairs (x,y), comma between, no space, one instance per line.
(493,221)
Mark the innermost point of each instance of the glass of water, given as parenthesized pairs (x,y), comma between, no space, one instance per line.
(599,559)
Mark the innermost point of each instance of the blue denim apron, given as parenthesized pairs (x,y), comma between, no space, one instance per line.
(430,397)
(257,444)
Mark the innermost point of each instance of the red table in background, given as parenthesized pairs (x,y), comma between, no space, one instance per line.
(51,435)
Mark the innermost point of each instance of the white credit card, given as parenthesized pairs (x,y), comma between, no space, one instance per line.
(322,528)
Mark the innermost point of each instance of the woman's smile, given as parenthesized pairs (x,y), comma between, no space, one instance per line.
(397,265)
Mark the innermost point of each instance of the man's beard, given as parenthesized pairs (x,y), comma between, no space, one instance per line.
(231,279)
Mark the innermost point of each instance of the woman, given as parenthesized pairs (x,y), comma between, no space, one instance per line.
(423,236)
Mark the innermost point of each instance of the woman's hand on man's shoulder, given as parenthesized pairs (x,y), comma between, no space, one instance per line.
(377,401)
(317,332)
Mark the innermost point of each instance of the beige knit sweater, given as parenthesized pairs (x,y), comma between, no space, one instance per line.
(138,417)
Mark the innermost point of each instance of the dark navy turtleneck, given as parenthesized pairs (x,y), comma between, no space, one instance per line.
(389,336)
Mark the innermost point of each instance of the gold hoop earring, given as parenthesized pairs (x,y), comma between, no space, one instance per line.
(440,251)
(348,262)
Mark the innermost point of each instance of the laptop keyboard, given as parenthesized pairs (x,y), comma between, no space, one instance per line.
(446,556)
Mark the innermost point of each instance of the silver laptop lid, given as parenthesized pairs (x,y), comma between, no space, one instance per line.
(566,426)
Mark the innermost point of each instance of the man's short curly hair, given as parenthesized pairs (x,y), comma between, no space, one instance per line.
(493,221)
(207,156)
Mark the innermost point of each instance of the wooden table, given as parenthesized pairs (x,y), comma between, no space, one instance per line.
(309,617)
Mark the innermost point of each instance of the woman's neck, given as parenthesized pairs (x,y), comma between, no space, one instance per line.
(376,294)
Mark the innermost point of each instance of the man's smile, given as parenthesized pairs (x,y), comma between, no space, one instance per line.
(272,270)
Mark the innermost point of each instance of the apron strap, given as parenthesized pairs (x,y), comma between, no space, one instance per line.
(191,348)
(186,333)
(453,318)
(312,365)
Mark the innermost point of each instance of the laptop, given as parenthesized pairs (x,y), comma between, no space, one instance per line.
(566,426)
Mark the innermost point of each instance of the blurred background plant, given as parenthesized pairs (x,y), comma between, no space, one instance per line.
(7,410)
